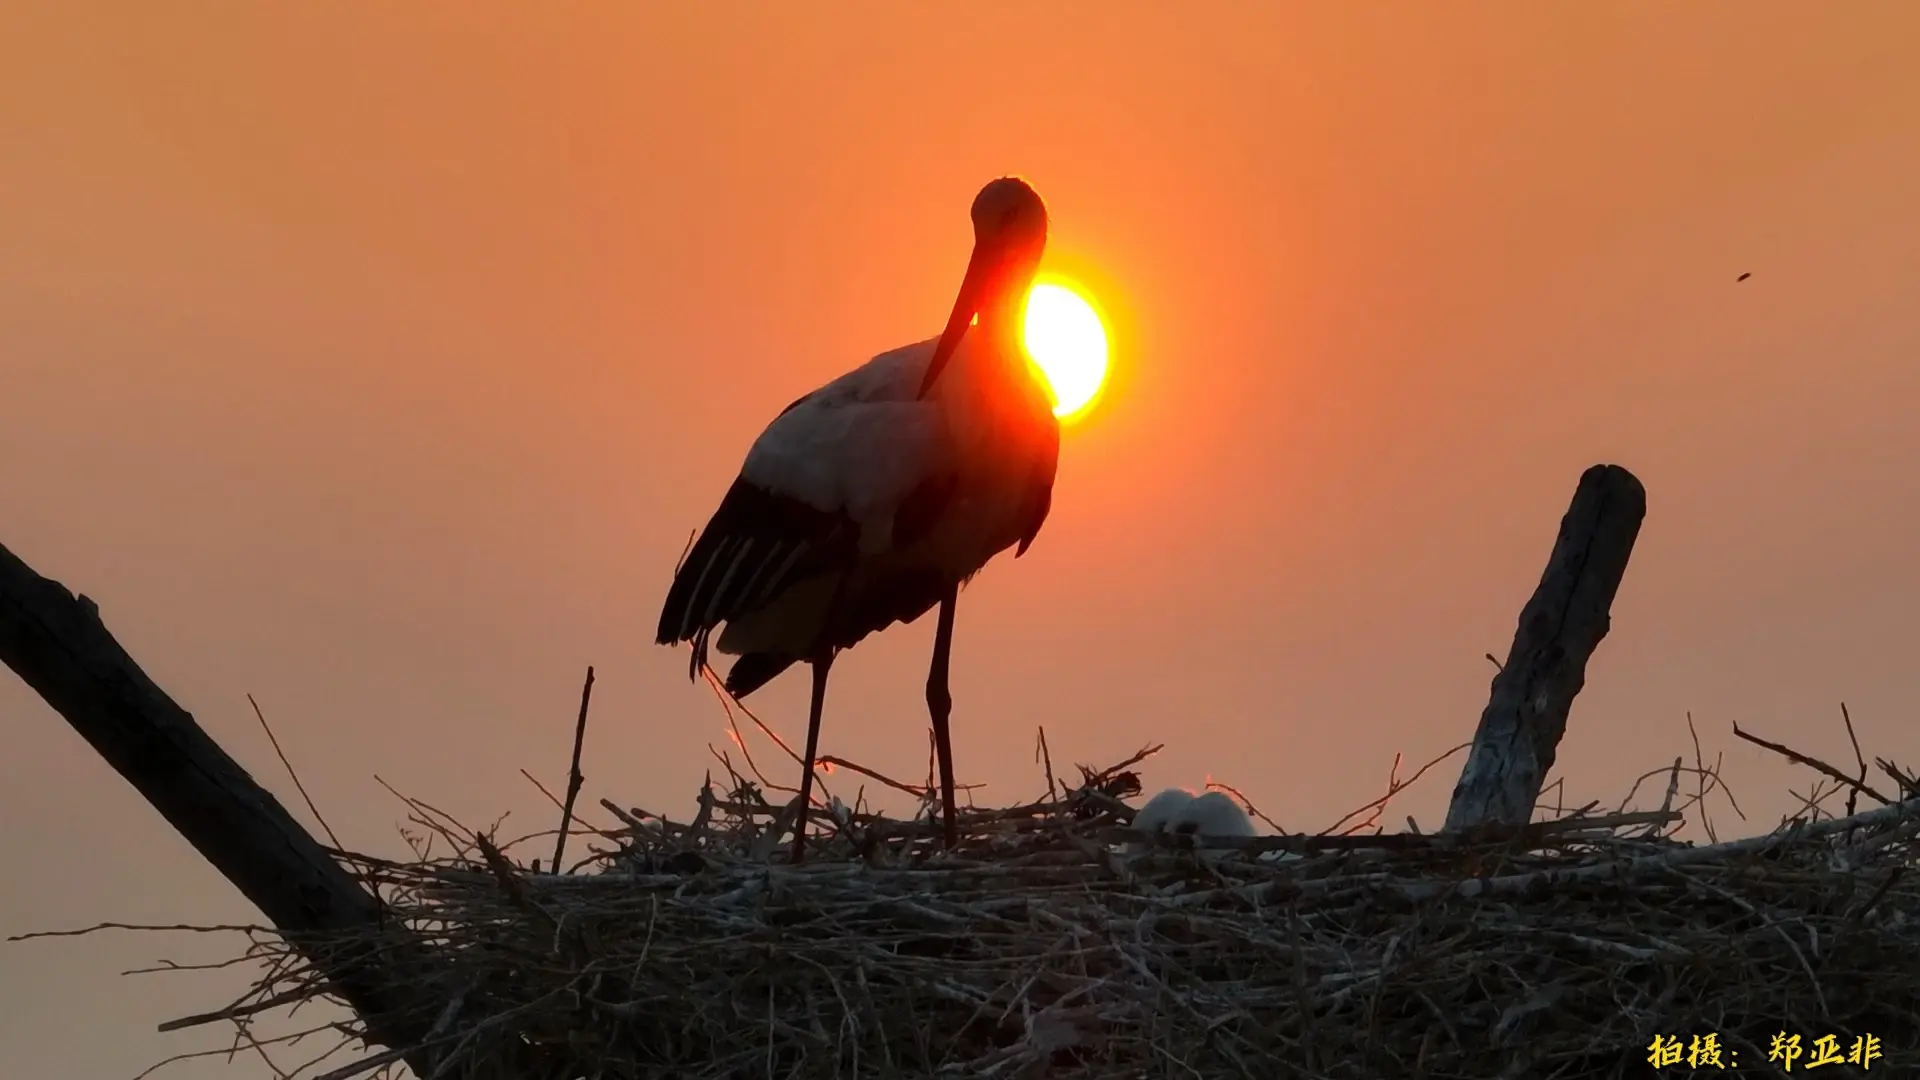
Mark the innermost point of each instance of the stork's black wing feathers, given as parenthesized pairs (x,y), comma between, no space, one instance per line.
(756,545)
(922,508)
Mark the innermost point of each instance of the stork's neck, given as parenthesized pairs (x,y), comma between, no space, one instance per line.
(1005,373)
(1000,319)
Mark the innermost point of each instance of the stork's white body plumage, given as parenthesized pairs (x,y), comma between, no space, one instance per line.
(873,498)
(864,448)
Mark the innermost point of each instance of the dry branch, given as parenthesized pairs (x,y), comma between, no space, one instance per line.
(1816,764)
(574,779)
(1520,730)
(56,642)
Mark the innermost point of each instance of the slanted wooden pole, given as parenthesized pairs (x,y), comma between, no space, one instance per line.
(1526,714)
(56,642)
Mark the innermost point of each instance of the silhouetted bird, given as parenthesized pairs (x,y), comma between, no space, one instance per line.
(871,499)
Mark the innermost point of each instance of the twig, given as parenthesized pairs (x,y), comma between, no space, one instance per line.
(1139,756)
(578,818)
(364,1065)
(249,929)
(234,1012)
(1666,804)
(843,763)
(1853,796)
(1394,788)
(1248,803)
(542,788)
(1816,765)
(288,765)
(1559,789)
(442,822)
(574,779)
(1046,760)
(1908,785)
(727,703)
(1702,785)
(228,1051)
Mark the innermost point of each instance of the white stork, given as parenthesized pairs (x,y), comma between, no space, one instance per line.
(878,495)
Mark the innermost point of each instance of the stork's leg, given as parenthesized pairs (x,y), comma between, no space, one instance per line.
(940,705)
(820,667)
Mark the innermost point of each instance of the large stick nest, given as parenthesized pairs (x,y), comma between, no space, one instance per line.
(1045,946)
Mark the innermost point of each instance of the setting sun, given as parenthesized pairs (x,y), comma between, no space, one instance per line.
(1068,343)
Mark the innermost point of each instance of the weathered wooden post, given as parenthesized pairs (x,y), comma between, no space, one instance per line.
(1526,714)
(56,642)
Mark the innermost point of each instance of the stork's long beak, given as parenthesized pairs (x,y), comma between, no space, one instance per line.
(973,293)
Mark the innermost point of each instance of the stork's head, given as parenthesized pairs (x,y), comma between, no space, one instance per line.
(1009,222)
(1009,236)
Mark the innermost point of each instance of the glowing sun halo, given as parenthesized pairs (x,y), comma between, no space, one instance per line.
(1068,343)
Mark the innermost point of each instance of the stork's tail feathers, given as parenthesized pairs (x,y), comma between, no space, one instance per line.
(699,658)
(749,673)
(755,670)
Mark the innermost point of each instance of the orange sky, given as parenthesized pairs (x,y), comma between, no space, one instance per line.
(378,361)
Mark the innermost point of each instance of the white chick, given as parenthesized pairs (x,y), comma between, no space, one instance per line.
(1161,810)
(1177,810)
(1212,813)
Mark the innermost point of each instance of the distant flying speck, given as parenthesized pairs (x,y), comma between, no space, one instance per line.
(1744,276)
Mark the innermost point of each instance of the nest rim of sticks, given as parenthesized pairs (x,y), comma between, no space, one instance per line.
(1047,945)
